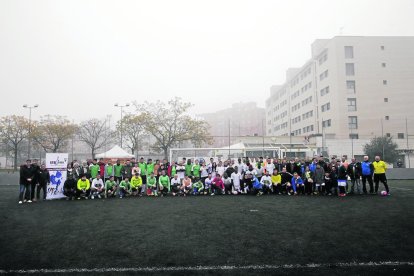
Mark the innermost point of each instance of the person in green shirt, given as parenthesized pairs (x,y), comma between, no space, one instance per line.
(152,185)
(94,169)
(188,168)
(110,187)
(124,188)
(164,184)
(143,166)
(198,187)
(150,167)
(196,171)
(136,185)
(109,170)
(118,167)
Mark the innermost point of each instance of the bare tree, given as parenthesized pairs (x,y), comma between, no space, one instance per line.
(95,133)
(133,129)
(13,132)
(170,124)
(52,133)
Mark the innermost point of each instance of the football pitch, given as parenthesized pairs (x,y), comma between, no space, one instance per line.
(210,235)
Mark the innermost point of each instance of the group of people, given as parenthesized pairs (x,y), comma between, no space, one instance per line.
(97,179)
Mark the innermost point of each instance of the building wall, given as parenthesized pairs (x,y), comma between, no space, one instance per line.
(375,60)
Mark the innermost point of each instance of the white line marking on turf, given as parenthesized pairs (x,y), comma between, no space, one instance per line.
(205,268)
(403,189)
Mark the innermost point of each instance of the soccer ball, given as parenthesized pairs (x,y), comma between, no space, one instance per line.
(384,193)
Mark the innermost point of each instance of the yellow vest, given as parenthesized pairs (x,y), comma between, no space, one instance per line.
(379,167)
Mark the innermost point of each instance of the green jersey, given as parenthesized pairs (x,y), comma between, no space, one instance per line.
(188,169)
(109,170)
(150,168)
(164,180)
(125,185)
(118,170)
(94,170)
(173,170)
(151,181)
(196,170)
(109,185)
(143,167)
(198,185)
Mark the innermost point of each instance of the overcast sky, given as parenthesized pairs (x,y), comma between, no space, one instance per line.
(78,58)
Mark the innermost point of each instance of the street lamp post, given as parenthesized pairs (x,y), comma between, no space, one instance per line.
(122,107)
(30,126)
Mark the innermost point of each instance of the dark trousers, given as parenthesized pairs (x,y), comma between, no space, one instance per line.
(368,178)
(80,192)
(32,191)
(380,177)
(216,190)
(41,187)
(69,192)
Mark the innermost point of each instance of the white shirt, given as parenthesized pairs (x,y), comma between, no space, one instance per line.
(180,173)
(97,183)
(266,180)
(204,172)
(270,168)
(220,170)
(175,182)
(236,177)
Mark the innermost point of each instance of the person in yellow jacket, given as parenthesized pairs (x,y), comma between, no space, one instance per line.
(83,187)
(379,174)
(276,182)
(136,185)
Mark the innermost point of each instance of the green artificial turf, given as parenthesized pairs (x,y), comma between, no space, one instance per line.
(208,231)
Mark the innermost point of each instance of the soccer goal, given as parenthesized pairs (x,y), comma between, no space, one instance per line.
(176,154)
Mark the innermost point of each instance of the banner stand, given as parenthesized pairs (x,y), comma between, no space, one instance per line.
(56,164)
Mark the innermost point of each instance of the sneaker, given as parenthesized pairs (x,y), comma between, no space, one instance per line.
(99,196)
(25,200)
(92,197)
(78,198)
(120,197)
(212,194)
(20,202)
(29,201)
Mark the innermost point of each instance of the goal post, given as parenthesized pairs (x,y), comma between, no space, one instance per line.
(177,154)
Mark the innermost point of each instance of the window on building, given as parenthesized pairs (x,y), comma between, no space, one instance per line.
(324,75)
(352,122)
(385,100)
(349,69)
(387,118)
(384,64)
(350,86)
(349,52)
(352,104)
(388,134)
(326,123)
(325,91)
(400,135)
(353,136)
(383,48)
(326,107)
(384,82)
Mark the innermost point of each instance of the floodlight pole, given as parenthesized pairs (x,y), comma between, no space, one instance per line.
(30,126)
(122,107)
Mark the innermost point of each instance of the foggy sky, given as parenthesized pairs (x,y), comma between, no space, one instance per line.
(78,58)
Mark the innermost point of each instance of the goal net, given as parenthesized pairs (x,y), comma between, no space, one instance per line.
(177,154)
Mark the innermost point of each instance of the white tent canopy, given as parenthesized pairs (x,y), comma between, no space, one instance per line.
(115,152)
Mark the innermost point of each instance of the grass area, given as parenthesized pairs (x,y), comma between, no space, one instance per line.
(210,231)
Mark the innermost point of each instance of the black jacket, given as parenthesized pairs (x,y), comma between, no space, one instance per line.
(25,173)
(44,177)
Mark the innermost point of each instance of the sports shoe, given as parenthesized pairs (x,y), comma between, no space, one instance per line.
(25,200)
(212,194)
(99,196)
(92,197)
(78,198)
(29,201)
(20,202)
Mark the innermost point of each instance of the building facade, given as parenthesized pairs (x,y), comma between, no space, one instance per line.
(353,87)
